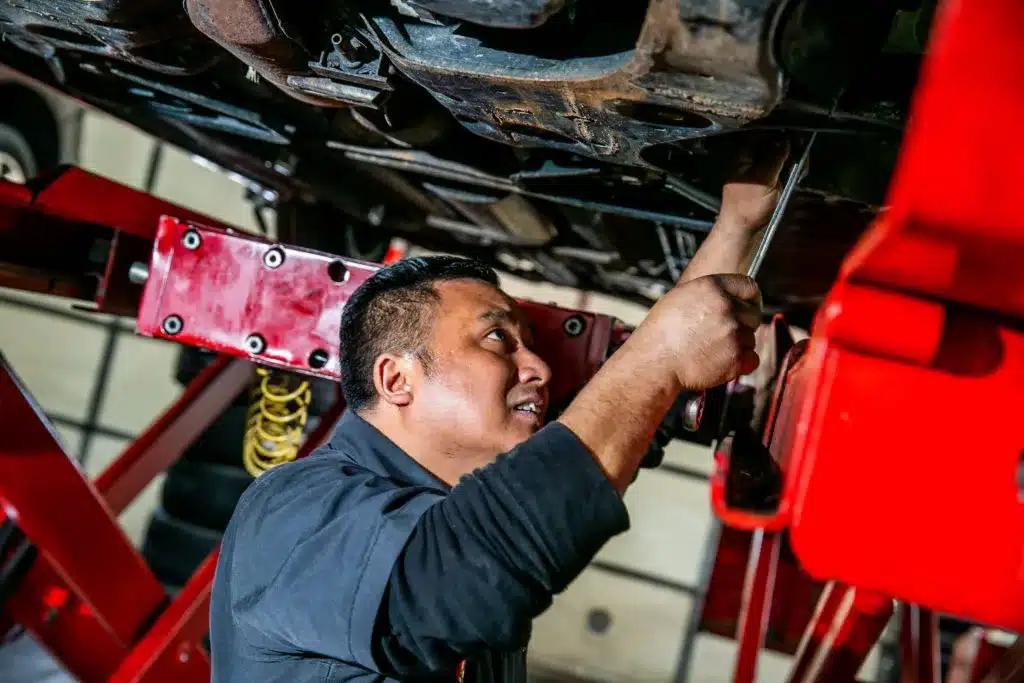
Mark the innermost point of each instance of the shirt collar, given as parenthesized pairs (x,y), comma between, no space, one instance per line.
(365,445)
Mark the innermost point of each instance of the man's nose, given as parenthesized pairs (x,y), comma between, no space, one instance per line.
(532,368)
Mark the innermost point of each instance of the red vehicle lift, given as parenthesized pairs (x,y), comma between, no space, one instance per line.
(856,466)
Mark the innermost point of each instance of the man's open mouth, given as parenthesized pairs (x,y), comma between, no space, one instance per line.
(531,408)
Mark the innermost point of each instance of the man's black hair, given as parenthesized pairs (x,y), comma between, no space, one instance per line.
(390,312)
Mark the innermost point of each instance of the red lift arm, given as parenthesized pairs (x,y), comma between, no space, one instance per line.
(875,428)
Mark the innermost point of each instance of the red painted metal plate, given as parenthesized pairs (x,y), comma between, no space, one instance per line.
(224,293)
(223,288)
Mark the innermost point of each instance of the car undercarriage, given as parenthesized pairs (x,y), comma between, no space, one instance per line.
(581,142)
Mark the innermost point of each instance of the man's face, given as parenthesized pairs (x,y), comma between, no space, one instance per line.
(485,391)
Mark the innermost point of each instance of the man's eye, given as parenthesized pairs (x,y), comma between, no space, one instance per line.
(497,335)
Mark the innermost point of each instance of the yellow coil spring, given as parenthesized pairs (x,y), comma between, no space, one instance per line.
(276,421)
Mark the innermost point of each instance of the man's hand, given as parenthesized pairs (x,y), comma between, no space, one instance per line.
(705,329)
(748,200)
(700,335)
(750,196)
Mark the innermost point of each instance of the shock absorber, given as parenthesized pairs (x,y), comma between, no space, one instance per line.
(276,421)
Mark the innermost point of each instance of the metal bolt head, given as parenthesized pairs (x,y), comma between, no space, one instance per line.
(138,273)
(255,344)
(273,258)
(693,413)
(191,240)
(318,359)
(574,326)
(172,325)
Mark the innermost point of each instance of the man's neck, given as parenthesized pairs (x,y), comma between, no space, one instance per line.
(447,467)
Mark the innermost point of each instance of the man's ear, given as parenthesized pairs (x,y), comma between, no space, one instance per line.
(391,378)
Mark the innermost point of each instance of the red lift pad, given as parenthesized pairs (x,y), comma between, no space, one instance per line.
(908,440)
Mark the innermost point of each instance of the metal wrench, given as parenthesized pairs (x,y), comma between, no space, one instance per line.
(693,410)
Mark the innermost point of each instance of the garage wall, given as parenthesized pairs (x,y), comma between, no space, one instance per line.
(625,619)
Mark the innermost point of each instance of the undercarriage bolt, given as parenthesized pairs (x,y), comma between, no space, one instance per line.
(172,325)
(375,216)
(138,273)
(273,258)
(191,240)
(255,344)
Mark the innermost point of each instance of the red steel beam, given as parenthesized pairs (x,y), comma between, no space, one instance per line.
(89,595)
(172,652)
(164,440)
(45,607)
(758,590)
(919,644)
(65,516)
(845,627)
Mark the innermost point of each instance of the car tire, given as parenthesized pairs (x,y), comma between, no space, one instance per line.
(18,163)
(192,360)
(174,549)
(222,441)
(202,493)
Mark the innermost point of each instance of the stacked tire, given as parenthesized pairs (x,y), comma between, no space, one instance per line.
(200,491)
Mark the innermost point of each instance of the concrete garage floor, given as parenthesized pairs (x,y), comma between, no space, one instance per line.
(101,385)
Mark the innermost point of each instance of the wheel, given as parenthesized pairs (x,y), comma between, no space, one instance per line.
(174,548)
(18,163)
(203,493)
(30,134)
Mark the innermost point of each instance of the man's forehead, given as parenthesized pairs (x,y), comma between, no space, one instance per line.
(472,298)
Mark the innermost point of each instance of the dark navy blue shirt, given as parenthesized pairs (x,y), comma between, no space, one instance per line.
(357,564)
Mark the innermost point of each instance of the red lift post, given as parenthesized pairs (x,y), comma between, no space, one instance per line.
(921,330)
(894,430)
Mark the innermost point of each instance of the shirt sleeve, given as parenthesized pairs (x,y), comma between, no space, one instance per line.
(482,564)
(312,551)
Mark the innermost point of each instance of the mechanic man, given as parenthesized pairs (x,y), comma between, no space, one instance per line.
(408,548)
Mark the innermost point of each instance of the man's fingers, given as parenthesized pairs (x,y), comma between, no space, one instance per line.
(749,361)
(740,287)
(745,337)
(760,160)
(748,314)
(774,166)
